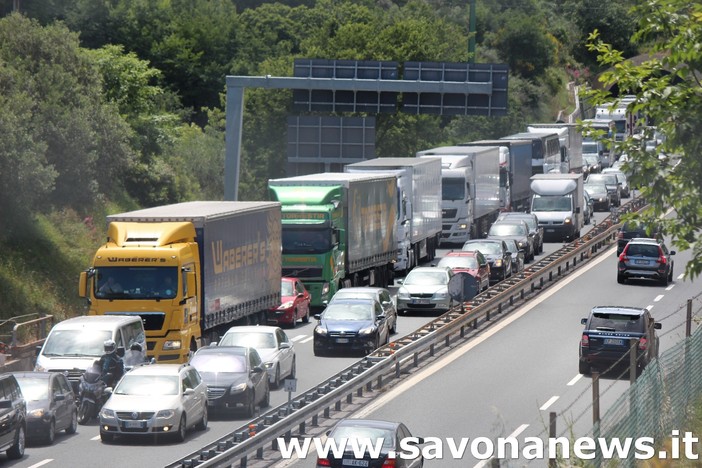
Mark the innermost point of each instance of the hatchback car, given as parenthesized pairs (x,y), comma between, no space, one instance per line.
(632,230)
(294,304)
(600,196)
(155,400)
(354,432)
(425,289)
(381,295)
(517,255)
(272,344)
(350,325)
(51,405)
(13,414)
(606,338)
(646,258)
(536,231)
(235,378)
(497,255)
(517,230)
(474,263)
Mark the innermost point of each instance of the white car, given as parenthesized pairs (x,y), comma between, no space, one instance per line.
(425,289)
(273,345)
(155,400)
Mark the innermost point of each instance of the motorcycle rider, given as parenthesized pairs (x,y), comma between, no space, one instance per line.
(111,365)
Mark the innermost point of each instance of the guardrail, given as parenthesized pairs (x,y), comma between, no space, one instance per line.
(19,338)
(391,361)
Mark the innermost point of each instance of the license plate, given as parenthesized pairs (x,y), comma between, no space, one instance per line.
(133,424)
(354,462)
(550,230)
(342,340)
(614,341)
(641,262)
(420,301)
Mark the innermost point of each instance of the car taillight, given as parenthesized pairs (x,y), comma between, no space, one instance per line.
(643,342)
(622,258)
(585,341)
(323,462)
(662,260)
(389,463)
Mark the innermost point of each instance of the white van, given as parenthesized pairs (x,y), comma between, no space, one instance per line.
(74,344)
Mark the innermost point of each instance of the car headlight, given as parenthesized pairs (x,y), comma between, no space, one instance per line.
(325,288)
(320,330)
(601,199)
(268,365)
(520,244)
(38,368)
(498,262)
(403,294)
(366,331)
(171,344)
(237,388)
(286,305)
(567,221)
(165,414)
(441,294)
(107,414)
(37,413)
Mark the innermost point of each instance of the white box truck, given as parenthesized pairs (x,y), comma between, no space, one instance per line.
(470,190)
(571,141)
(557,200)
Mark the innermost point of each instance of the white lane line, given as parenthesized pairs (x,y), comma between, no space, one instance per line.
(298,337)
(670,287)
(649,307)
(550,401)
(574,380)
(680,276)
(457,353)
(659,297)
(97,437)
(514,435)
(41,463)
(307,340)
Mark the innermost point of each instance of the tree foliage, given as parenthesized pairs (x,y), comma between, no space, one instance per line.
(667,91)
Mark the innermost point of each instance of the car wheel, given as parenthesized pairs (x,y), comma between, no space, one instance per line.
(106,437)
(50,436)
(293,369)
(318,352)
(393,330)
(250,408)
(276,379)
(670,275)
(74,423)
(202,425)
(182,429)
(664,281)
(306,318)
(621,279)
(266,402)
(584,368)
(17,450)
(293,322)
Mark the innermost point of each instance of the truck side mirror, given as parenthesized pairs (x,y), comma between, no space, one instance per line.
(83,284)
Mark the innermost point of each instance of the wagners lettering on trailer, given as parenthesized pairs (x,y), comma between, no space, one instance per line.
(139,260)
(238,257)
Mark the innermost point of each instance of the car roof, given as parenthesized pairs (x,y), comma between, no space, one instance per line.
(354,300)
(515,214)
(238,350)
(350,422)
(252,328)
(644,240)
(35,374)
(478,241)
(463,253)
(623,310)
(106,322)
(362,289)
(158,369)
(434,268)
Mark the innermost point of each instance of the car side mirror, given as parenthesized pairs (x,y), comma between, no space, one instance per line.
(583,321)
(672,252)
(380,318)
(400,281)
(318,316)
(285,346)
(188,392)
(300,295)
(257,370)
(59,397)
(657,325)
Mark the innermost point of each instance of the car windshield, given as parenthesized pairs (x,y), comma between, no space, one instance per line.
(426,277)
(595,188)
(551,203)
(250,339)
(286,288)
(590,147)
(224,363)
(507,229)
(34,389)
(459,262)
(363,435)
(348,311)
(616,322)
(147,385)
(590,159)
(512,246)
(76,343)
(609,179)
(486,248)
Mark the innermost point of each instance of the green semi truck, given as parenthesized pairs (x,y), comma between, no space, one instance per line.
(338,230)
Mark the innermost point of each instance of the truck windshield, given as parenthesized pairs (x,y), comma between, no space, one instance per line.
(453,189)
(555,203)
(136,283)
(306,240)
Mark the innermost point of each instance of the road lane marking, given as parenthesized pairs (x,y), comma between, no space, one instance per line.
(681,275)
(97,437)
(670,287)
(42,463)
(550,401)
(298,337)
(458,352)
(649,307)
(514,435)
(574,380)
(307,340)
(659,297)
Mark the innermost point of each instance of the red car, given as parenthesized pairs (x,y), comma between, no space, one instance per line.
(472,262)
(295,304)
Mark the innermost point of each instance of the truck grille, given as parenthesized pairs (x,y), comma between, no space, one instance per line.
(302,272)
(449,213)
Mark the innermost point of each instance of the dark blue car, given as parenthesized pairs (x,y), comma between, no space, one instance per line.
(351,325)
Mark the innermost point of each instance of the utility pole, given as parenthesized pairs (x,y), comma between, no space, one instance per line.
(471,32)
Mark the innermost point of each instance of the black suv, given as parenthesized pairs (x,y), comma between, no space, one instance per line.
(632,230)
(608,331)
(646,258)
(13,414)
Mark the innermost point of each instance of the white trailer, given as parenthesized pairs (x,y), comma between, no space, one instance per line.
(571,141)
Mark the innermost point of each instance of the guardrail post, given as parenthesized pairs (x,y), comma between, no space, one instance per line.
(337,406)
(447,341)
(315,420)
(242,463)
(326,412)
(303,427)
(463,331)
(397,369)
(431,349)
(415,357)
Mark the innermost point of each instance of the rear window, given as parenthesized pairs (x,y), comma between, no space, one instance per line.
(616,322)
(642,250)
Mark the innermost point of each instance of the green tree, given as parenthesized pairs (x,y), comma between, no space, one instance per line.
(667,91)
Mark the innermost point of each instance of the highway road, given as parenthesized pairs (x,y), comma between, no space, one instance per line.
(491,387)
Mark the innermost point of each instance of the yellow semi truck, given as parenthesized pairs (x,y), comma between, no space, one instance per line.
(189,270)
